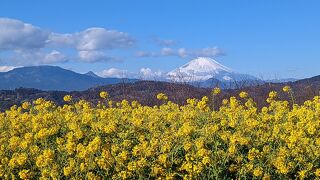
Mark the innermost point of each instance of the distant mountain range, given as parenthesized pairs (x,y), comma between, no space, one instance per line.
(206,72)
(145,92)
(203,69)
(53,78)
(199,72)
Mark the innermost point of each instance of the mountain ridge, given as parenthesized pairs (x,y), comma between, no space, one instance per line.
(199,72)
(145,92)
(51,78)
(92,74)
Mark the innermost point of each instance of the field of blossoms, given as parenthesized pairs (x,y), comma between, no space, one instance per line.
(122,140)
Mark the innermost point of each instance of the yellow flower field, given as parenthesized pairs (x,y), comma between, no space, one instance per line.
(122,140)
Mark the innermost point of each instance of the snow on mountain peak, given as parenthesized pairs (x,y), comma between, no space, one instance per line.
(201,68)
(205,64)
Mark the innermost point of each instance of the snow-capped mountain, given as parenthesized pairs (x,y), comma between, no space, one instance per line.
(205,68)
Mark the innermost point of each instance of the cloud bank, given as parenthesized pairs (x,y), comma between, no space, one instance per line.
(183,52)
(144,74)
(30,43)
(6,68)
(92,39)
(15,34)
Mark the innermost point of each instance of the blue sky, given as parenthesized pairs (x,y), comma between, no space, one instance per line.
(269,39)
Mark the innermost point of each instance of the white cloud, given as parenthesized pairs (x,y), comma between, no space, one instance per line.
(165,42)
(92,39)
(206,52)
(167,52)
(183,52)
(35,57)
(114,72)
(26,43)
(148,74)
(100,38)
(145,54)
(163,52)
(61,40)
(6,68)
(15,34)
(91,42)
(54,57)
(94,56)
(144,73)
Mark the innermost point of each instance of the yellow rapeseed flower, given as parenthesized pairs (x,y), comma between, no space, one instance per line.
(273,94)
(127,140)
(317,172)
(216,91)
(26,105)
(104,94)
(67,98)
(162,96)
(243,94)
(258,171)
(24,174)
(286,88)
